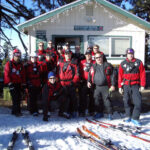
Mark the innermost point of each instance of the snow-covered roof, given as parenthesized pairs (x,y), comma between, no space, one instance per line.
(105,3)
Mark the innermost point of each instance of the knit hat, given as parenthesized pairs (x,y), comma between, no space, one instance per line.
(51,74)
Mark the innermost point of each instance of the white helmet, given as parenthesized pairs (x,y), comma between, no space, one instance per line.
(33,54)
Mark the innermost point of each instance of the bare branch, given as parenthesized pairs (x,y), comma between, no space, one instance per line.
(19,34)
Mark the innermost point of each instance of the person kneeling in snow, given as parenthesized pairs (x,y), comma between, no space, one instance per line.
(51,95)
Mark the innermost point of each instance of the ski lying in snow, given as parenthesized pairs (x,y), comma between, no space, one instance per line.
(93,140)
(105,142)
(13,139)
(131,129)
(26,138)
(128,132)
(135,129)
(87,142)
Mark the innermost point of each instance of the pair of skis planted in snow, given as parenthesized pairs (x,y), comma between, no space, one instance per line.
(26,138)
(97,141)
(131,131)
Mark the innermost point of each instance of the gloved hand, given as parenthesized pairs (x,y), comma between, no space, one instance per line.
(141,89)
(121,91)
(11,86)
(112,88)
(55,93)
(89,85)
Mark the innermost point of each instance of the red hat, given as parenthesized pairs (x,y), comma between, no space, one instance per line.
(16,52)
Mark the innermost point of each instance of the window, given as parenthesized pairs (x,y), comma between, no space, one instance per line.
(119,45)
(102,41)
(110,45)
(41,37)
(89,11)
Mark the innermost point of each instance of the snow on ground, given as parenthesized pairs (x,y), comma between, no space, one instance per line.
(56,134)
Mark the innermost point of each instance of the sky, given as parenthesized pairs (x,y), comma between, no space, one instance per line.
(14,36)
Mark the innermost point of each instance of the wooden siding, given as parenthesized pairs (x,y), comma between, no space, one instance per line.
(114,25)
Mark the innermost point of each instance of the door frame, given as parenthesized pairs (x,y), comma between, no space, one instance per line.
(71,36)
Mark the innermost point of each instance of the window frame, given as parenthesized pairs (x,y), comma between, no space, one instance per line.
(110,37)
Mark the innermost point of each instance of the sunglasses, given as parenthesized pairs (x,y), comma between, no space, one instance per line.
(17,54)
(98,57)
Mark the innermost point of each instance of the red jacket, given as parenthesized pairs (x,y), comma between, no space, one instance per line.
(51,91)
(43,69)
(41,52)
(54,54)
(109,73)
(131,73)
(68,72)
(33,75)
(14,73)
(85,68)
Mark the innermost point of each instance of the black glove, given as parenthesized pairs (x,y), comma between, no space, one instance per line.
(11,86)
(71,84)
(24,86)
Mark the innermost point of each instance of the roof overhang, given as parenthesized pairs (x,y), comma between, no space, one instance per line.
(142,23)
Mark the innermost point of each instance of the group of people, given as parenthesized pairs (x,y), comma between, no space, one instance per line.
(74,83)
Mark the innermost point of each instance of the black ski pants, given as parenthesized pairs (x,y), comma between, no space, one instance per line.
(71,103)
(16,98)
(86,100)
(52,105)
(132,96)
(34,95)
(102,99)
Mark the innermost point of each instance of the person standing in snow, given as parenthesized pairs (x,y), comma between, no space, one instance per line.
(84,91)
(52,97)
(69,77)
(33,74)
(102,75)
(14,77)
(131,82)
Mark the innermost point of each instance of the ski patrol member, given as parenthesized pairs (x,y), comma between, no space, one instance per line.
(102,75)
(41,52)
(14,77)
(96,49)
(33,74)
(69,77)
(131,82)
(84,91)
(52,97)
